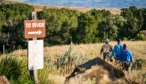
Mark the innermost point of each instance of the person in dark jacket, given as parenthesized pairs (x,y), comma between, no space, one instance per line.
(127,57)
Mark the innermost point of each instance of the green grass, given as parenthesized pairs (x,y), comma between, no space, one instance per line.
(10,68)
(15,69)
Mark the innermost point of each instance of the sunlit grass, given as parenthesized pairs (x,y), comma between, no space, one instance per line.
(51,74)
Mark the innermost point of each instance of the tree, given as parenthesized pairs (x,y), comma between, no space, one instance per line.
(11,28)
(86,29)
(60,25)
(135,21)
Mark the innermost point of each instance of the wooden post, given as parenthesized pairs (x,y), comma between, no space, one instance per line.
(3,49)
(33,73)
(34,16)
(35,76)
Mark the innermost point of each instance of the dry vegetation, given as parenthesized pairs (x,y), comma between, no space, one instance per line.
(81,9)
(137,47)
(89,51)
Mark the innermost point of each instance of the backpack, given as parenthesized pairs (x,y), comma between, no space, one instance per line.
(107,48)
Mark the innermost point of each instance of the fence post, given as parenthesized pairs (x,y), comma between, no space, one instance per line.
(3,49)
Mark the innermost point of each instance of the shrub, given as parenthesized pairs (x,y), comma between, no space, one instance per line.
(10,67)
(69,60)
(139,64)
(15,69)
(22,80)
(125,39)
(141,36)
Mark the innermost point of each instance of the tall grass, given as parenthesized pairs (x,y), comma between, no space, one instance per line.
(48,70)
(68,61)
(10,68)
(136,77)
(59,61)
(139,64)
(137,74)
(15,70)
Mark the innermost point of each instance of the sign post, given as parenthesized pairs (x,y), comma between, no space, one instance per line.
(35,29)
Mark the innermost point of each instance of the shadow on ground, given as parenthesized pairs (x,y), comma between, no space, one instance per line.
(97,69)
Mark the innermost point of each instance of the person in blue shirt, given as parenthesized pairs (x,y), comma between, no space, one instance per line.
(117,51)
(127,57)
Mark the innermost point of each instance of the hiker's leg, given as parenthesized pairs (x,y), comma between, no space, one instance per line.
(126,66)
(123,66)
(116,61)
(104,57)
(108,57)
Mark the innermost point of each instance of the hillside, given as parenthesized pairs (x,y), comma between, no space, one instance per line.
(90,3)
(73,40)
(91,50)
(81,9)
(55,56)
(38,7)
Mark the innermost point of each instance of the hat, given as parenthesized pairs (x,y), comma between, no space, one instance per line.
(107,40)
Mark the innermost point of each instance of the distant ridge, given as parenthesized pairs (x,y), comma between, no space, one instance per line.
(38,7)
(81,9)
(90,3)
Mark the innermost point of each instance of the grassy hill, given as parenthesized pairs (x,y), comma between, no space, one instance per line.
(79,54)
(137,47)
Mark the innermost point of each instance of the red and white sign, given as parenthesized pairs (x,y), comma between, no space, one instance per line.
(34,28)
